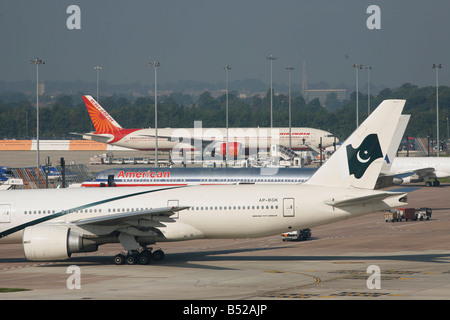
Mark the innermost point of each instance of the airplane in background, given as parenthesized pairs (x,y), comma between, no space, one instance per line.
(108,130)
(7,180)
(54,223)
(412,169)
(134,177)
(418,169)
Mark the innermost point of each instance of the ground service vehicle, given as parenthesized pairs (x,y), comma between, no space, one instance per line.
(392,215)
(408,213)
(298,235)
(423,213)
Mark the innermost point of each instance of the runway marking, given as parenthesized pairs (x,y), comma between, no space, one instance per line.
(348,262)
(30,265)
(432,273)
(365,276)
(357,294)
(280,293)
(383,272)
(289,295)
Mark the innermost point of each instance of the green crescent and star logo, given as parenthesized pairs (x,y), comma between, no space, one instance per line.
(359,159)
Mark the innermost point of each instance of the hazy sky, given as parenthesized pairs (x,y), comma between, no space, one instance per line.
(195,39)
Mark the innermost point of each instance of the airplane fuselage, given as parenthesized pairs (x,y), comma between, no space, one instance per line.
(441,166)
(147,176)
(250,138)
(223,211)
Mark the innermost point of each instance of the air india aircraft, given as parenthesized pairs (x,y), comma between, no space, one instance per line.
(108,130)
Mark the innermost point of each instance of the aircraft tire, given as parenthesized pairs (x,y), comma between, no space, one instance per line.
(131,259)
(144,258)
(119,259)
(158,255)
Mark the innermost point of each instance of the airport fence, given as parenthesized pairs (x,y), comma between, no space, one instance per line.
(51,177)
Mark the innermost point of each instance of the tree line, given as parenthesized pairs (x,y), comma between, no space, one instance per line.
(67,113)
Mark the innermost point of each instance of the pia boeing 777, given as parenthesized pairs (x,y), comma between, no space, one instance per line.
(54,223)
(108,130)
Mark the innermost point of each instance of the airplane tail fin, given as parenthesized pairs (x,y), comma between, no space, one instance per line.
(101,119)
(357,163)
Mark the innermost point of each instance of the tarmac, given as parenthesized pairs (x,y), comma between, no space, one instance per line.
(363,258)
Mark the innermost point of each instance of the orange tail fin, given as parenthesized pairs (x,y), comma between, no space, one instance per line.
(101,119)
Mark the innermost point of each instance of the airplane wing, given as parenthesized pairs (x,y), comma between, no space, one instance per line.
(103,138)
(131,217)
(361,200)
(188,140)
(423,172)
(419,171)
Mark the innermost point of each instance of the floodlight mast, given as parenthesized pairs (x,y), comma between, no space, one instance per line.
(226,68)
(156,64)
(289,69)
(271,58)
(357,67)
(37,62)
(98,68)
(437,66)
(368,68)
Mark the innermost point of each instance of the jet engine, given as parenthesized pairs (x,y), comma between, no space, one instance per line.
(41,243)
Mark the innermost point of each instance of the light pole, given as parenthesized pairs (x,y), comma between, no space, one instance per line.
(437,67)
(448,137)
(289,69)
(37,62)
(357,67)
(368,89)
(226,68)
(156,64)
(98,68)
(271,58)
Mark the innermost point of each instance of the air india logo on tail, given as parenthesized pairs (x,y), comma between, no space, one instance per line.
(359,159)
(102,121)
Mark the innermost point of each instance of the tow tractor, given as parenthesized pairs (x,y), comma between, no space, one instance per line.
(423,214)
(298,235)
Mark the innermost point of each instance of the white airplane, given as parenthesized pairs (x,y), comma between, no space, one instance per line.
(412,169)
(418,169)
(108,130)
(54,223)
(151,177)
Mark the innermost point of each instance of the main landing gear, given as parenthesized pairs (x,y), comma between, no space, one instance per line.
(143,256)
(435,183)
